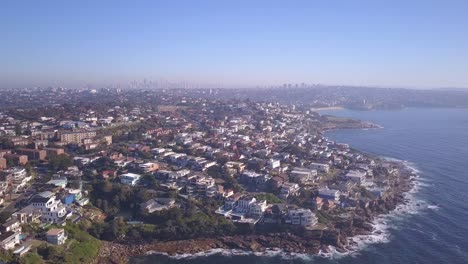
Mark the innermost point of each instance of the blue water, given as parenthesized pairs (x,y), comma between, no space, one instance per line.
(434,231)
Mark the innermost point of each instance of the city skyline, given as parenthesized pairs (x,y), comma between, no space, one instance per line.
(242,44)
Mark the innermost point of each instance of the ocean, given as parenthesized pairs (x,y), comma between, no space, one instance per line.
(433,226)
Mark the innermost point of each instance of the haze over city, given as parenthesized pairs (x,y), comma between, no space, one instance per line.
(246,131)
(414,44)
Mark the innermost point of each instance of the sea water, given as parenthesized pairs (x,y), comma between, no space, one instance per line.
(431,228)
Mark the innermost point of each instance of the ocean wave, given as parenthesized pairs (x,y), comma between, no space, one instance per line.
(273,252)
(381,229)
(384,223)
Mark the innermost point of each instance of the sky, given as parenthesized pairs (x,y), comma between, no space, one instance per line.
(388,43)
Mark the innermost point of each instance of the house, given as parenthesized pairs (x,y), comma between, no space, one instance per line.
(251,177)
(276,182)
(51,152)
(301,216)
(157,204)
(52,210)
(274,163)
(356,175)
(244,204)
(130,178)
(3,163)
(109,174)
(158,151)
(233,167)
(303,175)
(149,167)
(9,240)
(33,154)
(56,236)
(76,136)
(81,160)
(12,225)
(17,159)
(28,214)
(61,182)
(204,184)
(257,208)
(325,168)
(289,189)
(329,194)
(231,201)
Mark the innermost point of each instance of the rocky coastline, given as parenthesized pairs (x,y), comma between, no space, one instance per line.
(338,237)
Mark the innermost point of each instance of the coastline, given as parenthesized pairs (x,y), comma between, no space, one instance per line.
(367,226)
(373,126)
(327,108)
(370,229)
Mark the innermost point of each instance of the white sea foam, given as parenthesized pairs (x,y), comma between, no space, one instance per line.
(380,234)
(382,224)
(272,252)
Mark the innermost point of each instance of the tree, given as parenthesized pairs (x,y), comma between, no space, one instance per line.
(6,143)
(18,129)
(31,258)
(60,162)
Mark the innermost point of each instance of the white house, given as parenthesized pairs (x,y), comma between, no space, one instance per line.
(356,175)
(157,204)
(274,163)
(130,178)
(149,167)
(257,208)
(289,189)
(320,167)
(301,216)
(303,175)
(9,240)
(52,210)
(244,204)
(329,194)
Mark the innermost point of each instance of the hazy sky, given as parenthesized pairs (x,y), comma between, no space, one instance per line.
(385,43)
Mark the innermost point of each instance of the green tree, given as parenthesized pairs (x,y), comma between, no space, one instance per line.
(18,129)
(31,258)
(60,162)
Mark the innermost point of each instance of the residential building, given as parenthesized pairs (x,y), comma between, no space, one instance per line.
(76,137)
(17,159)
(3,163)
(356,175)
(56,236)
(51,152)
(12,225)
(33,154)
(257,208)
(301,216)
(329,194)
(149,167)
(9,240)
(320,167)
(303,175)
(274,163)
(29,214)
(289,189)
(157,204)
(130,178)
(52,209)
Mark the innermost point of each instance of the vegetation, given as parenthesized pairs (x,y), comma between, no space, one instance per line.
(80,247)
(6,256)
(323,217)
(60,162)
(269,197)
(31,258)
